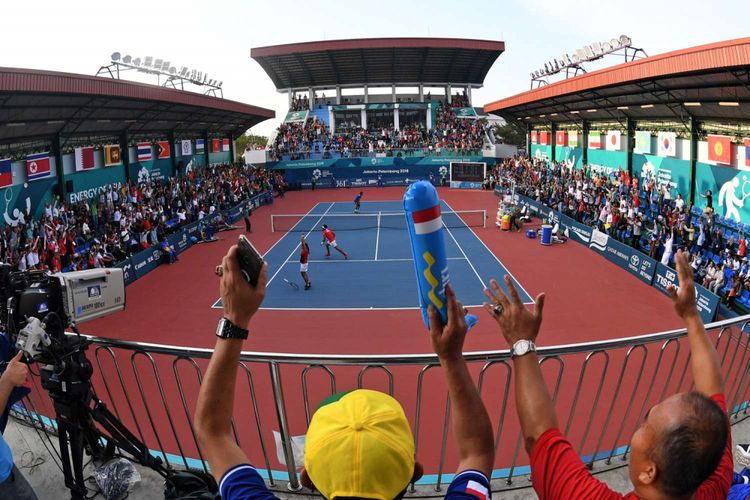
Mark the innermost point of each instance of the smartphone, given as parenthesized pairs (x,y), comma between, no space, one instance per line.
(250,260)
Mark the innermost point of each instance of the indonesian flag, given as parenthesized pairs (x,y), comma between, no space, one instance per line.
(544,137)
(144,151)
(534,137)
(476,489)
(747,152)
(215,145)
(163,148)
(614,140)
(667,144)
(720,149)
(428,220)
(595,140)
(37,166)
(561,138)
(84,158)
(225,145)
(6,174)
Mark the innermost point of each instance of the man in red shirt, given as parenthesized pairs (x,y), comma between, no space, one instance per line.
(329,240)
(681,450)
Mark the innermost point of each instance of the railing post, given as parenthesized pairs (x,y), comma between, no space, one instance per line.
(286,438)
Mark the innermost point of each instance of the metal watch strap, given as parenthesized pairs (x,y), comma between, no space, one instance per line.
(228,330)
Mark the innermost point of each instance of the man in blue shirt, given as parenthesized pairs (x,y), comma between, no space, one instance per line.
(357,201)
(359,444)
(12,483)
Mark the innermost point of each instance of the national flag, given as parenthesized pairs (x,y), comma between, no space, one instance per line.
(428,220)
(595,140)
(747,152)
(84,158)
(720,149)
(186,147)
(614,138)
(200,145)
(6,174)
(225,145)
(215,145)
(477,489)
(642,142)
(561,138)
(112,155)
(534,137)
(144,151)
(573,138)
(162,148)
(544,137)
(667,144)
(37,166)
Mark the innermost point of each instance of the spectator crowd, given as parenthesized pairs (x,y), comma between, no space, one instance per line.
(649,215)
(122,220)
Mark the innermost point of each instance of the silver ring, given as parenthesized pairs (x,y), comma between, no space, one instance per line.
(219,270)
(498,309)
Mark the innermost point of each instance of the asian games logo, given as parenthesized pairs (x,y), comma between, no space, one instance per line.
(317,173)
(143,175)
(443,170)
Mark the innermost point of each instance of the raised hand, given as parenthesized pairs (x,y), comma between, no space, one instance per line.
(239,297)
(448,340)
(515,320)
(683,298)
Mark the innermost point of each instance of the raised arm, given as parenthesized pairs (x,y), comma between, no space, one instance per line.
(703,358)
(533,402)
(213,414)
(472,429)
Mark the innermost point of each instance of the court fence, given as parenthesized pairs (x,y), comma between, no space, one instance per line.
(601,390)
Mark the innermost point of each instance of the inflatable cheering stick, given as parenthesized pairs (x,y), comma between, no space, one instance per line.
(422,207)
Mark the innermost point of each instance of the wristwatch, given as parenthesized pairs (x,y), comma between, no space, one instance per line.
(228,330)
(522,347)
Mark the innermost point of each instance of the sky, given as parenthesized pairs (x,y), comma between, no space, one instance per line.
(216,37)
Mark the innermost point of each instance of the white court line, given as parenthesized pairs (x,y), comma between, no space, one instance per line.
(350,308)
(288,232)
(377,238)
(498,260)
(297,245)
(464,254)
(334,261)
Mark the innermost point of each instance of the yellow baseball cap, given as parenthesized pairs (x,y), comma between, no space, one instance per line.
(359,444)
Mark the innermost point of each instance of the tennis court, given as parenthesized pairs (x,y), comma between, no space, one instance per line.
(379,273)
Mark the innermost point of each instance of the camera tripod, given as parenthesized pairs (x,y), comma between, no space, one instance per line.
(78,410)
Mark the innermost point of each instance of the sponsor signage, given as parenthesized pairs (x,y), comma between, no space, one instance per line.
(707,302)
(128,273)
(633,261)
(180,241)
(146,261)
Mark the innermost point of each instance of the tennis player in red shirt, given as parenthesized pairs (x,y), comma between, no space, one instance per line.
(304,254)
(682,448)
(329,240)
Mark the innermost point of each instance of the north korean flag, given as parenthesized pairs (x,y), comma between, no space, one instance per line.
(37,166)
(6,174)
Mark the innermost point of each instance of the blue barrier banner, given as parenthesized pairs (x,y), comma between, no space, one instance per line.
(356,176)
(707,302)
(180,241)
(580,233)
(633,261)
(191,229)
(146,261)
(128,273)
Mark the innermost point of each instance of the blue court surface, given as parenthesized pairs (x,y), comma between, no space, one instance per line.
(380,271)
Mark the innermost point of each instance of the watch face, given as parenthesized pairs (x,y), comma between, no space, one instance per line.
(522,347)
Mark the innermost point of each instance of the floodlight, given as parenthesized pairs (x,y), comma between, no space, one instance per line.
(580,55)
(137,61)
(158,63)
(165,65)
(147,61)
(205,78)
(606,47)
(589,51)
(557,66)
(625,40)
(545,68)
(115,56)
(567,60)
(220,84)
(597,48)
(615,43)
(532,76)
(183,70)
(172,70)
(127,59)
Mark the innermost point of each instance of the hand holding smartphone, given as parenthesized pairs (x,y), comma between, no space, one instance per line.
(250,260)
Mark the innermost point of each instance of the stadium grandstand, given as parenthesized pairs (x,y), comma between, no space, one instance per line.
(630,188)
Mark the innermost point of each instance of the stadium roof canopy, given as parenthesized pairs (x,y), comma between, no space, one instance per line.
(378,61)
(708,82)
(41,104)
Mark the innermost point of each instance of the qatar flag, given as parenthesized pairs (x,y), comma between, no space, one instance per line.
(84,158)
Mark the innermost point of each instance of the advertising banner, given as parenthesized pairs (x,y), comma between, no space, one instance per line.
(364,176)
(128,272)
(296,116)
(707,302)
(633,261)
(146,261)
(180,241)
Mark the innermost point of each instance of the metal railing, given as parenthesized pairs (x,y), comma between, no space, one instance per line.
(601,391)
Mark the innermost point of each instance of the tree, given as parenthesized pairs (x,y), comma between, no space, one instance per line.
(511,133)
(251,141)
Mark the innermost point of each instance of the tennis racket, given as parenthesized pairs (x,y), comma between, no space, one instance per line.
(291,284)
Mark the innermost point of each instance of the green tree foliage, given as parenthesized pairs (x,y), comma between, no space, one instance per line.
(510,133)
(250,141)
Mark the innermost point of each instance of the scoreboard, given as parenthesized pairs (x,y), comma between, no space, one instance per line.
(467,175)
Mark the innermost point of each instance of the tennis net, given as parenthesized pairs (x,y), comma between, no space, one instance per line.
(305,223)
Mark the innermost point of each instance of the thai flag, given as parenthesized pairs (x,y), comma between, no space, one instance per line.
(428,220)
(144,151)
(476,489)
(6,174)
(37,166)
